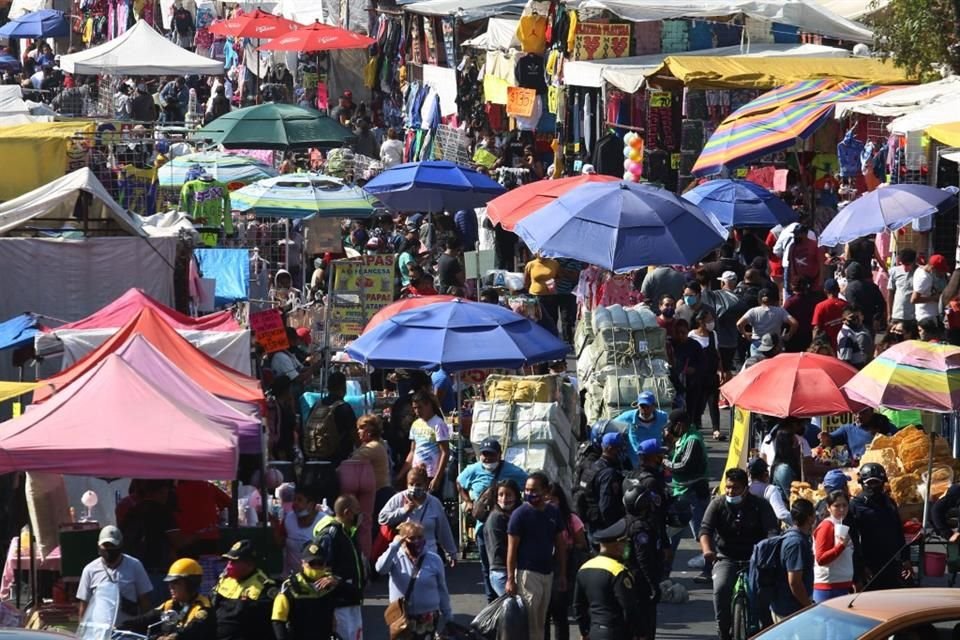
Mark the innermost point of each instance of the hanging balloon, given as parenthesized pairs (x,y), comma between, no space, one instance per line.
(636,142)
(628,139)
(636,155)
(628,176)
(627,164)
(636,169)
(626,152)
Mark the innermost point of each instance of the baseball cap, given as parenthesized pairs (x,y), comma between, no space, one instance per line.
(241,550)
(616,531)
(488,445)
(830,285)
(303,333)
(612,440)
(347,94)
(938,262)
(110,535)
(645,398)
(728,276)
(835,480)
(767,343)
(651,447)
(677,416)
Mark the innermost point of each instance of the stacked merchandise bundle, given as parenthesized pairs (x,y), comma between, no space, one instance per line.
(620,352)
(534,419)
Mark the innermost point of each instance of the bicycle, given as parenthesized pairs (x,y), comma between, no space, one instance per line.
(740,605)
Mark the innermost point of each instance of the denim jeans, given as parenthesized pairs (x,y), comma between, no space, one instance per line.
(724,578)
(498,581)
(698,506)
(822,595)
(485,567)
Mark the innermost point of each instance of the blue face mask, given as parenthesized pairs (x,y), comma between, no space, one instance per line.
(734,500)
(690,300)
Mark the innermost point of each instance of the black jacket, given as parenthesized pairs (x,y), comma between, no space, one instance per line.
(605,601)
(737,528)
(608,491)
(243,607)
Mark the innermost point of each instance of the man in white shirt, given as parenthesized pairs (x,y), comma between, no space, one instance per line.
(391,151)
(928,283)
(901,285)
(115,567)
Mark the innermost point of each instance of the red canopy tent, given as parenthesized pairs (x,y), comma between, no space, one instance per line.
(210,374)
(113,422)
(123,309)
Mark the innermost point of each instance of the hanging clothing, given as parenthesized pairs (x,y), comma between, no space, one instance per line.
(848,153)
(138,189)
(587,122)
(208,203)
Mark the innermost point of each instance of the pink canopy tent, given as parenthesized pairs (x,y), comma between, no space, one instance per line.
(123,309)
(114,422)
(165,377)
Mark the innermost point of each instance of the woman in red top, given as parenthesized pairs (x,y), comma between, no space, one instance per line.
(833,551)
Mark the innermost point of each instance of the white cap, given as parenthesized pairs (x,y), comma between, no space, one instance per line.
(110,535)
(588,169)
(728,276)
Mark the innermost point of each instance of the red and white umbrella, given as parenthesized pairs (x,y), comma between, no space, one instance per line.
(318,37)
(256,24)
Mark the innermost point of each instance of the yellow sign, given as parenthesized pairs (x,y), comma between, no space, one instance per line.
(373,275)
(17,409)
(829,424)
(520,101)
(739,440)
(661,98)
(553,99)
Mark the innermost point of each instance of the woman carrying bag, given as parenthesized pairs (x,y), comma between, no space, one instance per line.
(419,601)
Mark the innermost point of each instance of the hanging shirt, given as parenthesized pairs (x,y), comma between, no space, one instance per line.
(208,203)
(848,153)
(138,189)
(529,73)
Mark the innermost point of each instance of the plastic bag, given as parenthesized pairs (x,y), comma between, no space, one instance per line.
(513,620)
(486,621)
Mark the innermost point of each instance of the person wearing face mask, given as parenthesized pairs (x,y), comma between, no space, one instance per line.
(115,566)
(346,562)
(711,373)
(867,424)
(833,551)
(766,317)
(194,619)
(854,342)
(297,527)
(495,533)
(417,575)
(666,309)
(692,302)
(304,608)
(417,504)
(689,486)
(643,423)
(606,605)
(731,526)
(243,597)
(794,588)
(478,482)
(877,533)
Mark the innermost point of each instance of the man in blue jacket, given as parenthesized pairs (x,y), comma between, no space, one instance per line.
(643,423)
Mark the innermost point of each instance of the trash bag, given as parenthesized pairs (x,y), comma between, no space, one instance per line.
(486,621)
(513,620)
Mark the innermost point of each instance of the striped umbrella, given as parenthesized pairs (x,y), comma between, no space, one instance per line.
(911,375)
(775,120)
(298,195)
(233,170)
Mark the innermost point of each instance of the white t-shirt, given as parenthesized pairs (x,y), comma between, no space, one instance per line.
(766,449)
(284,364)
(391,153)
(901,283)
(427,436)
(129,575)
(924,283)
(297,537)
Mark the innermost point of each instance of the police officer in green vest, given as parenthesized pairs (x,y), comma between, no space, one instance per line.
(605,601)
(243,597)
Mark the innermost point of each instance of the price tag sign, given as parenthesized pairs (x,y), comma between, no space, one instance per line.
(268,330)
(553,99)
(520,101)
(642,346)
(661,99)
(675,161)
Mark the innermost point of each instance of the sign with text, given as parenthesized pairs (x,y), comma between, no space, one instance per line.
(269,331)
(362,287)
(520,101)
(829,424)
(739,437)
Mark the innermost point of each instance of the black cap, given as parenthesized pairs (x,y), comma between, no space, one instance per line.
(312,551)
(616,531)
(489,445)
(757,467)
(241,550)
(677,416)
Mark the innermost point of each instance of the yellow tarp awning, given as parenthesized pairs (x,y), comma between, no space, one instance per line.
(35,154)
(13,389)
(948,134)
(737,72)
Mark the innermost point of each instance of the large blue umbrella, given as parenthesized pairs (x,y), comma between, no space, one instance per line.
(9,62)
(741,203)
(622,226)
(885,208)
(433,185)
(45,23)
(456,336)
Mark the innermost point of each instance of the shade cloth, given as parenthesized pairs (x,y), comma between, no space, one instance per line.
(948,134)
(939,112)
(501,33)
(134,300)
(113,421)
(899,102)
(139,51)
(212,375)
(457,336)
(18,331)
(774,121)
(297,195)
(13,389)
(41,153)
(230,268)
(699,72)
(433,186)
(802,385)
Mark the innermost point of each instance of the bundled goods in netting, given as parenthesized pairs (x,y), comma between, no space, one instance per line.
(620,352)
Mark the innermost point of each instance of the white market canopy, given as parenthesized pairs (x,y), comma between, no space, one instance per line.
(853,9)
(901,102)
(629,74)
(501,33)
(938,112)
(140,51)
(52,204)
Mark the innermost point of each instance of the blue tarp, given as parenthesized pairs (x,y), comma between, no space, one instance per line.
(18,331)
(231,268)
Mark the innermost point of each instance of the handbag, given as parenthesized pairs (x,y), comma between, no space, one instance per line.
(485,501)
(396,613)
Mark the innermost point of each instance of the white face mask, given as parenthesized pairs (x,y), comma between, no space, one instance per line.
(490,466)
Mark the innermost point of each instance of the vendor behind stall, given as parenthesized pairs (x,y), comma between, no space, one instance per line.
(867,424)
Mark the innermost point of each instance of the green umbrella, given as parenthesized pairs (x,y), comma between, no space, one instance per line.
(275,126)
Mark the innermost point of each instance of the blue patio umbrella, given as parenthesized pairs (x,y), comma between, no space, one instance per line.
(45,23)
(885,208)
(433,185)
(9,62)
(456,336)
(741,203)
(18,331)
(622,226)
